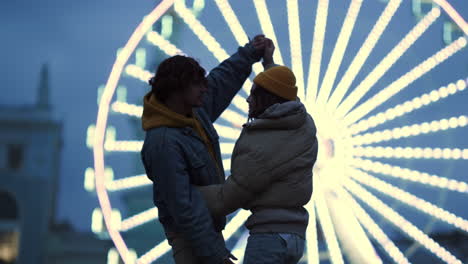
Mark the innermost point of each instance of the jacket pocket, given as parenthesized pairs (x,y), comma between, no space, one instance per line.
(198,170)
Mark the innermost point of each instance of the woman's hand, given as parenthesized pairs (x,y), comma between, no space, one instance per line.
(268,51)
(258,43)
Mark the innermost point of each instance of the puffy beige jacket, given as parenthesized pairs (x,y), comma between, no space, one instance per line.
(271,171)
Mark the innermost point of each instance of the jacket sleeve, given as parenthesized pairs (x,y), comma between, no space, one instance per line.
(246,180)
(185,203)
(227,78)
(223,199)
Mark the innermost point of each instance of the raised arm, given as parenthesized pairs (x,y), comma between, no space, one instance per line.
(184,203)
(227,78)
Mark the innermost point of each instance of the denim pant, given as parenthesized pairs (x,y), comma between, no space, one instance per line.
(274,248)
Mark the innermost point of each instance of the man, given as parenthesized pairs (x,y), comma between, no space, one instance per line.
(181,148)
(271,169)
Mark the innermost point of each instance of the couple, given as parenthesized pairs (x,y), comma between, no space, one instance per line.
(271,166)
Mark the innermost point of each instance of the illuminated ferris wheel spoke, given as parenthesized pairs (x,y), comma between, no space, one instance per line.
(212,45)
(226,148)
(138,73)
(227,132)
(411,130)
(410,175)
(338,51)
(139,219)
(267,28)
(400,222)
(316,51)
(155,253)
(405,80)
(123,145)
(234,118)
(200,31)
(363,53)
(128,183)
(328,229)
(313,253)
(127,109)
(409,106)
(376,232)
(294,30)
(410,200)
(235,223)
(311,234)
(239,248)
(227,164)
(411,153)
(348,229)
(235,27)
(167,47)
(384,65)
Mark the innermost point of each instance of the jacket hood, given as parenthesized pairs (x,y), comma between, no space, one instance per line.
(156,114)
(288,115)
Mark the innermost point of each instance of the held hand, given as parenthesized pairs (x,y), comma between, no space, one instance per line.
(268,52)
(259,43)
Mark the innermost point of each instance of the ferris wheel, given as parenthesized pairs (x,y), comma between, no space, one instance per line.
(387,119)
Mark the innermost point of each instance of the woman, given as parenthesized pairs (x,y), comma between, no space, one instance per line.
(271,170)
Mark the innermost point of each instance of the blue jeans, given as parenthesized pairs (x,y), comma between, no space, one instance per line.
(274,248)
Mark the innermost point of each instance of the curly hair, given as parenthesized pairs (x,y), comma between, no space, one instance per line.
(176,74)
(264,99)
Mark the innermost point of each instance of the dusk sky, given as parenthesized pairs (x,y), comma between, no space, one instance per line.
(79,40)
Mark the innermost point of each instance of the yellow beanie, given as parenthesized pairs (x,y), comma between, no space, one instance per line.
(279,80)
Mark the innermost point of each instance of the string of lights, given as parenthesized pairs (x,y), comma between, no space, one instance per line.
(409,106)
(227,132)
(405,80)
(316,51)
(226,148)
(295,45)
(396,53)
(410,153)
(167,47)
(411,130)
(128,109)
(267,28)
(311,234)
(363,53)
(410,199)
(123,145)
(400,222)
(338,51)
(327,227)
(236,28)
(155,253)
(376,232)
(128,183)
(139,219)
(411,175)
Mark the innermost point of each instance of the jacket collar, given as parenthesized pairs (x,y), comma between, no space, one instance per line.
(288,115)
